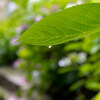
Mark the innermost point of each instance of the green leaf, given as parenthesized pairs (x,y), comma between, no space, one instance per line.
(65,25)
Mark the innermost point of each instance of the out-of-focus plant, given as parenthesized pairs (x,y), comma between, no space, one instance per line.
(67,71)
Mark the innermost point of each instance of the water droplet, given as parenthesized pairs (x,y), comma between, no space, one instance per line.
(50,46)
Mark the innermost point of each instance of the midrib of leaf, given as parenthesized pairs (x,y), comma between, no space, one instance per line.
(92,31)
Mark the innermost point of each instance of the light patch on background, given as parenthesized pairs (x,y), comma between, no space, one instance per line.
(74,4)
(64,62)
(35,74)
(12,7)
(30,4)
(33,1)
(82,57)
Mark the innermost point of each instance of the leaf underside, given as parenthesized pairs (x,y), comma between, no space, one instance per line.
(65,25)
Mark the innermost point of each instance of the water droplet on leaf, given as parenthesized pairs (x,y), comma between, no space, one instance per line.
(50,46)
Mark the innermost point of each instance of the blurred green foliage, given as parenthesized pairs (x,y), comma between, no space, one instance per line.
(66,72)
